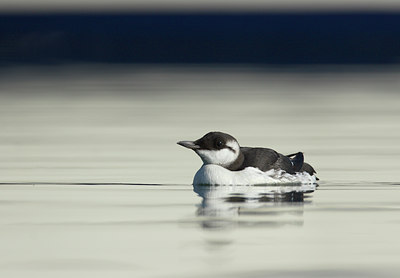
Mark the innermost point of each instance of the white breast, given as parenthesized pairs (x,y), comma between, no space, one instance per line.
(210,174)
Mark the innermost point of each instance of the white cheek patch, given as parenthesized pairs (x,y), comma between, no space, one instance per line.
(234,145)
(223,157)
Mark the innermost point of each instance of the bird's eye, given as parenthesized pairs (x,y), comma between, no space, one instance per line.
(219,144)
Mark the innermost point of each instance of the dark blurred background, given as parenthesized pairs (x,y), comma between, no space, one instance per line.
(261,35)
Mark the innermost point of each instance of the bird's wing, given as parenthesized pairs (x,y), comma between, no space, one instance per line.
(265,159)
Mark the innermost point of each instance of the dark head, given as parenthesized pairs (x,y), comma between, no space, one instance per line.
(215,148)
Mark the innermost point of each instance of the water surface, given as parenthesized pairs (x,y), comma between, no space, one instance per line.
(93,183)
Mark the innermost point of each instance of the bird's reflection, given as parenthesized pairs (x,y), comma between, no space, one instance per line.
(252,206)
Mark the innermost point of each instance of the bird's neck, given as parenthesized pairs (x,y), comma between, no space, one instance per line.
(236,165)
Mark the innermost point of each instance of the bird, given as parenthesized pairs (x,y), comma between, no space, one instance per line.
(222,149)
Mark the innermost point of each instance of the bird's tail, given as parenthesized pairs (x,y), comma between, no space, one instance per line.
(299,164)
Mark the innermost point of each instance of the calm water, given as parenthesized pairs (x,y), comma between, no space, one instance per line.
(93,183)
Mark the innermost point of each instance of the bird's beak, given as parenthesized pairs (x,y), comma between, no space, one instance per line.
(189,144)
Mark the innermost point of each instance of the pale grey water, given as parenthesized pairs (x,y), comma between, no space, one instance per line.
(80,146)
